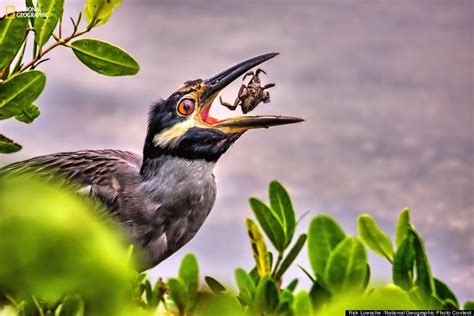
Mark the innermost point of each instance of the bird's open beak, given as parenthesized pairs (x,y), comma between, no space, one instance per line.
(239,124)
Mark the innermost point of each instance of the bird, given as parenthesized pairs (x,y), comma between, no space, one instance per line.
(163,197)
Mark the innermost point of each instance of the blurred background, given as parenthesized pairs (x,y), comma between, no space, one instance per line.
(386,89)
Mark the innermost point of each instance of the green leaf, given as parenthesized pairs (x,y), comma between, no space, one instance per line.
(104,58)
(72,306)
(292,285)
(8,146)
(402,226)
(28,114)
(319,295)
(99,10)
(291,256)
(346,268)
(266,297)
(19,92)
(424,279)
(214,285)
(245,284)
(189,276)
(178,294)
(270,224)
(302,305)
(280,203)
(324,235)
(373,237)
(259,248)
(403,264)
(12,35)
(444,292)
(44,26)
(469,305)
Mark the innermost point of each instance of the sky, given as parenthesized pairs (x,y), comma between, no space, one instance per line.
(386,89)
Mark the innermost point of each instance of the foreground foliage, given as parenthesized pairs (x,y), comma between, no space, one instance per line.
(21,83)
(59,258)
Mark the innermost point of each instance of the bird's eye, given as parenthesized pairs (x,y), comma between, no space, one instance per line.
(186,107)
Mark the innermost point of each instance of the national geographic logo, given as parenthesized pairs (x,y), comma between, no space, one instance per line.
(25,13)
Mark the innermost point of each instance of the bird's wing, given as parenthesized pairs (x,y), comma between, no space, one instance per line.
(81,169)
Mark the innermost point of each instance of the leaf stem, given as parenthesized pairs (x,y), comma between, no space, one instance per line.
(59,42)
(278,262)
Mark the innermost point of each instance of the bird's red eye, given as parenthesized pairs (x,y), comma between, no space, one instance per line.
(186,107)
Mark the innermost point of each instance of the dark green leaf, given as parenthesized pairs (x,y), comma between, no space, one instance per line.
(266,299)
(104,58)
(214,285)
(189,276)
(292,285)
(346,268)
(8,146)
(324,235)
(28,114)
(373,237)
(306,272)
(45,25)
(424,279)
(302,304)
(444,292)
(319,295)
(403,264)
(469,305)
(19,92)
(178,294)
(291,256)
(367,277)
(12,35)
(269,223)
(402,226)
(281,205)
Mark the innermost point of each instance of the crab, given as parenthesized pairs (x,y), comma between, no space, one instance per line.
(250,95)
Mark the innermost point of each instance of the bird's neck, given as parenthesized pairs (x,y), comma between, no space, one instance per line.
(164,166)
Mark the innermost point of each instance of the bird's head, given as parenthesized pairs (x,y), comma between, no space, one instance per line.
(181,124)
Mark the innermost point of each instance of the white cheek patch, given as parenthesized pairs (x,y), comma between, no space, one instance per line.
(170,137)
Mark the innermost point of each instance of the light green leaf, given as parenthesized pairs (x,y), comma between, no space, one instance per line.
(8,146)
(324,235)
(72,306)
(402,226)
(346,268)
(445,293)
(245,284)
(178,294)
(291,256)
(44,26)
(189,276)
(280,203)
(214,285)
(95,10)
(403,264)
(302,305)
(12,35)
(19,92)
(28,114)
(104,58)
(259,248)
(270,224)
(374,237)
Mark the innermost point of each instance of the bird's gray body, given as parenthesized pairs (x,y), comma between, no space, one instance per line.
(162,201)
